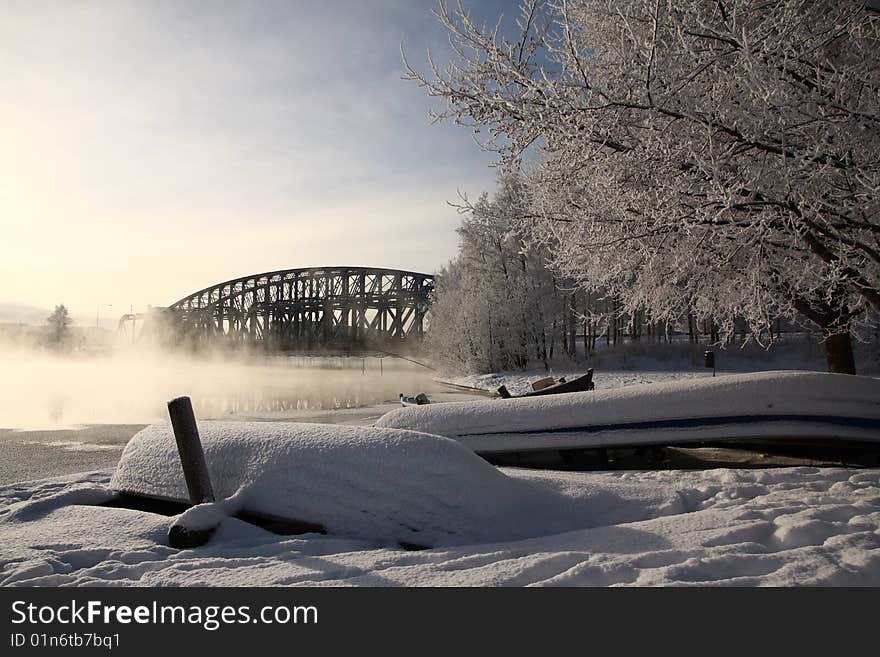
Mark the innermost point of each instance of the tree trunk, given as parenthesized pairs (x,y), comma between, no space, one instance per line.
(839,353)
(834,322)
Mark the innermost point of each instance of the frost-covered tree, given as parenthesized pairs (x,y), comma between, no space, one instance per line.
(497,306)
(59,326)
(720,158)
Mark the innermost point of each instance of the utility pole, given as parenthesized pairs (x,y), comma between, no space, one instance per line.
(98,313)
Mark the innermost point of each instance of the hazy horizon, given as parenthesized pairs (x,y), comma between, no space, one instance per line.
(153,149)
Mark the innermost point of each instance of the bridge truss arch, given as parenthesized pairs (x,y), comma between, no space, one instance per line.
(313,308)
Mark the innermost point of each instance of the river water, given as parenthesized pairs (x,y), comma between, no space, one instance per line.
(42,391)
(66,414)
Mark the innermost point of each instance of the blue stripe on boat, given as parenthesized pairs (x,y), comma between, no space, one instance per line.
(691,422)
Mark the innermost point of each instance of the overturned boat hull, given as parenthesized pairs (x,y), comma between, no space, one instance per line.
(763,406)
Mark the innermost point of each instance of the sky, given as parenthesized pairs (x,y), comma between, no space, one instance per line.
(149,149)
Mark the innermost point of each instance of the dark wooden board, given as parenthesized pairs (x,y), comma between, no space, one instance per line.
(171,507)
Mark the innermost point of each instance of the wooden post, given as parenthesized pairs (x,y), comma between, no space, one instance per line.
(195,471)
(192,458)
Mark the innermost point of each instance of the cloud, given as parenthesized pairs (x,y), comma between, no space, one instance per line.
(154,147)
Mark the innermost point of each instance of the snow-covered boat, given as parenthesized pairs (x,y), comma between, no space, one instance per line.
(387,486)
(414,400)
(550,386)
(785,406)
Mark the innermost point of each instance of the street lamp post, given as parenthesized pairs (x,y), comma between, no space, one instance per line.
(98,313)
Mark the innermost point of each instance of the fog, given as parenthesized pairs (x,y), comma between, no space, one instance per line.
(42,390)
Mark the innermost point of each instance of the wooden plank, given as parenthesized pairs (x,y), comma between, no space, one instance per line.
(165,506)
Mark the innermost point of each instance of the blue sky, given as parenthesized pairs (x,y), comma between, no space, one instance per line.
(152,148)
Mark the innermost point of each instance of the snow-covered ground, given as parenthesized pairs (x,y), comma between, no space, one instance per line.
(738,527)
(520,382)
(650,362)
(786,526)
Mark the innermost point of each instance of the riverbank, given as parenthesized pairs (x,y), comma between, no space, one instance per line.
(38,452)
(45,451)
(27,455)
(743,527)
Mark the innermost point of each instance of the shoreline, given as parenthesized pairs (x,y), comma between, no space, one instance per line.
(31,453)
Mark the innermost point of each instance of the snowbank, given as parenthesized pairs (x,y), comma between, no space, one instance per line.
(383,485)
(777,527)
(764,404)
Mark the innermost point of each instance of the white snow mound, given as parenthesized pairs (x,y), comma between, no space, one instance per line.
(383,485)
(763,404)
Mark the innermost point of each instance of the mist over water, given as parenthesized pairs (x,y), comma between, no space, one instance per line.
(42,390)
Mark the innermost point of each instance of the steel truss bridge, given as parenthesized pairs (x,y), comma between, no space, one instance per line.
(315,308)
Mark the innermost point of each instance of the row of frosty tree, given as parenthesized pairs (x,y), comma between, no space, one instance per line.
(497,305)
(716,161)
